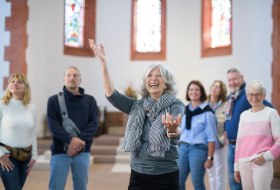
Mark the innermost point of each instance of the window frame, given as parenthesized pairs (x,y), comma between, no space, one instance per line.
(206,22)
(89,31)
(134,55)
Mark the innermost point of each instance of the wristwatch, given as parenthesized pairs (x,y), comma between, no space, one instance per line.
(210,158)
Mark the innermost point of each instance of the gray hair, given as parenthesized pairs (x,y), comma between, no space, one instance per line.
(256,85)
(73,67)
(167,76)
(234,70)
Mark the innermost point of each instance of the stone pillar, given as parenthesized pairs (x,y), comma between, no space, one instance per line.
(276,67)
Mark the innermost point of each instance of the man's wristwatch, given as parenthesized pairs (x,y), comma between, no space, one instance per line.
(210,158)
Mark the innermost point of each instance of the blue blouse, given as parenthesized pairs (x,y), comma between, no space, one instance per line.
(203,128)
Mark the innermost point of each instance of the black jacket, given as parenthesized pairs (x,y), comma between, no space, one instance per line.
(82,109)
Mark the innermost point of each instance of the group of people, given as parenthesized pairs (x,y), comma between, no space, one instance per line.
(18,142)
(167,140)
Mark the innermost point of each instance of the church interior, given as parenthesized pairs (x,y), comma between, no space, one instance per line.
(33,42)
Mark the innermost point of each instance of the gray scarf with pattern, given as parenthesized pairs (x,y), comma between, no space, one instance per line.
(154,109)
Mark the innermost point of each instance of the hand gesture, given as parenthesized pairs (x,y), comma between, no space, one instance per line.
(98,50)
(6,163)
(172,124)
(30,166)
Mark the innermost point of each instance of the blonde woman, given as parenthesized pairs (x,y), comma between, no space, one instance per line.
(216,100)
(17,133)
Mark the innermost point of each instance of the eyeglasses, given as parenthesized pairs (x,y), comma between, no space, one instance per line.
(251,95)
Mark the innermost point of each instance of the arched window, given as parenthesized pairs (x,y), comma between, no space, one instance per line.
(216,35)
(79,26)
(148,30)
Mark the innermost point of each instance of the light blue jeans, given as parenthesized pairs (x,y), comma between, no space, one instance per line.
(60,166)
(191,160)
(231,155)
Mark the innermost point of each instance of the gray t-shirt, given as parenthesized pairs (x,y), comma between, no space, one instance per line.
(142,162)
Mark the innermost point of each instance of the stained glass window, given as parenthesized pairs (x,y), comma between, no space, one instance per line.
(79,26)
(216,28)
(74,23)
(148,26)
(148,30)
(221,21)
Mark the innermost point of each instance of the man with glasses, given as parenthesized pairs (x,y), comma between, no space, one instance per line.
(236,104)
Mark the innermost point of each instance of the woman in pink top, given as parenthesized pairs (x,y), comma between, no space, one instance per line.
(258,141)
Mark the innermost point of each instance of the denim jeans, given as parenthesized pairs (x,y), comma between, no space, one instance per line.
(191,160)
(15,178)
(231,155)
(60,166)
(168,181)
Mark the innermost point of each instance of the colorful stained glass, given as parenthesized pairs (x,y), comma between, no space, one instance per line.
(74,23)
(148,30)
(221,23)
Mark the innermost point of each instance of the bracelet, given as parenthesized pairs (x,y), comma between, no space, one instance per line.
(172,133)
(210,158)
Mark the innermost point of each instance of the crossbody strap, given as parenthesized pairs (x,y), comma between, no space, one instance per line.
(64,112)
(62,105)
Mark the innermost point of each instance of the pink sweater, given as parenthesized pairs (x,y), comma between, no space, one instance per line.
(258,134)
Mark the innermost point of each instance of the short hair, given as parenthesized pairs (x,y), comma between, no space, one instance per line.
(73,67)
(234,70)
(223,88)
(257,85)
(203,96)
(167,76)
(27,91)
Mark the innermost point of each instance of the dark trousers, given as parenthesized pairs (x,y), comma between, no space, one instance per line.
(169,181)
(15,178)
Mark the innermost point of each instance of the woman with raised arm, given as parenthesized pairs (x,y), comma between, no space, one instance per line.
(152,131)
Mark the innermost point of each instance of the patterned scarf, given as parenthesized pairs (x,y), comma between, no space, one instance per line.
(154,109)
(229,103)
(190,114)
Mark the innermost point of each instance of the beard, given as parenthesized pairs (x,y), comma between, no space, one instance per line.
(72,85)
(233,90)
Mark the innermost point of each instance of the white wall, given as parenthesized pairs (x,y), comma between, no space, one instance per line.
(252,52)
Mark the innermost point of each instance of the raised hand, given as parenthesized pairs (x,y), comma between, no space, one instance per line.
(172,124)
(98,50)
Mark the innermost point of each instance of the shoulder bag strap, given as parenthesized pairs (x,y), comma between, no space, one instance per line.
(63,109)
(62,105)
